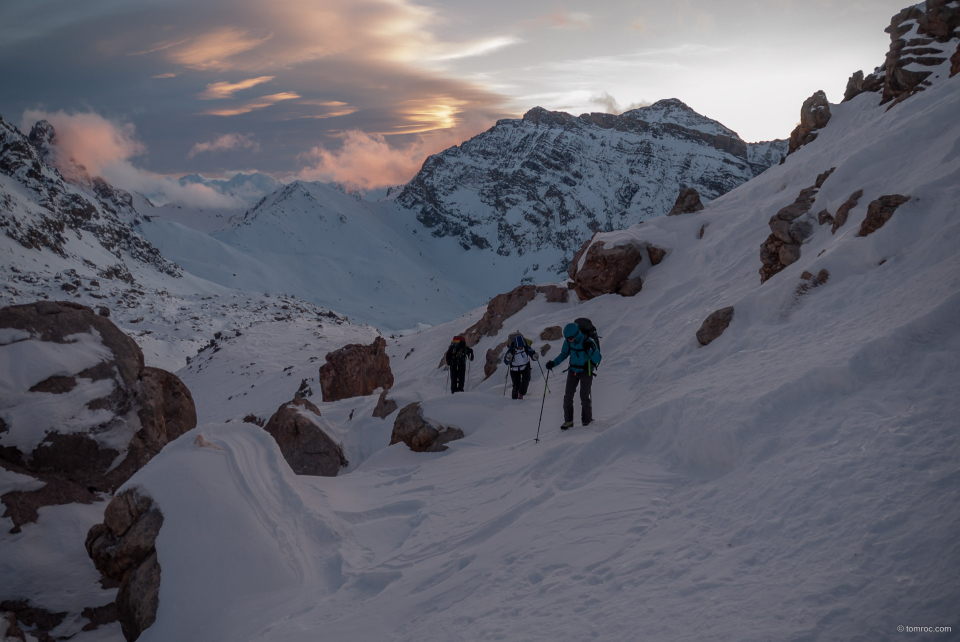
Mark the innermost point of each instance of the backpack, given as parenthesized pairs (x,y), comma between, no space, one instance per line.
(458,350)
(589,330)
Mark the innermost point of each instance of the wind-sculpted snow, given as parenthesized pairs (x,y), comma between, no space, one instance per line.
(551,179)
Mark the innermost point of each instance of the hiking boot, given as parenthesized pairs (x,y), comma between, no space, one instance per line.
(519,396)
(565,425)
(587,422)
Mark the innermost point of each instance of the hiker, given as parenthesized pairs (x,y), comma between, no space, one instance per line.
(457,355)
(518,356)
(584,352)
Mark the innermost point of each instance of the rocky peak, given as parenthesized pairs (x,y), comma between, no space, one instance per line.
(44,138)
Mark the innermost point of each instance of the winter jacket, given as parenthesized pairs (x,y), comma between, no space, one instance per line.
(519,354)
(580,350)
(457,356)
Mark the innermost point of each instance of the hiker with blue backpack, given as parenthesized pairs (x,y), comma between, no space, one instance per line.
(456,358)
(518,357)
(582,344)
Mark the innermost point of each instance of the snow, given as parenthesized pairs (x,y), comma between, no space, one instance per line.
(30,416)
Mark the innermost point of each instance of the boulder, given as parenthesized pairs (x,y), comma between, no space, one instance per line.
(355,370)
(545,349)
(500,308)
(384,406)
(714,325)
(880,211)
(605,270)
(631,287)
(419,434)
(305,446)
(903,75)
(493,360)
(553,333)
(688,202)
(955,62)
(814,115)
(16,612)
(555,293)
(655,254)
(575,262)
(123,548)
(844,211)
(114,407)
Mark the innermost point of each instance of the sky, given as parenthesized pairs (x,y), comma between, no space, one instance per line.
(362,91)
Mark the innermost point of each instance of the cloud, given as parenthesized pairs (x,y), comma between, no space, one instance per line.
(214,49)
(218,90)
(563,19)
(368,161)
(166,75)
(223,143)
(638,25)
(87,142)
(473,48)
(610,105)
(253,105)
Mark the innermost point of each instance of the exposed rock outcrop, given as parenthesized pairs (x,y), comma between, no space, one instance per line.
(123,548)
(553,333)
(493,360)
(814,115)
(384,406)
(843,212)
(809,281)
(880,211)
(790,227)
(955,62)
(21,617)
(116,407)
(606,271)
(305,446)
(714,325)
(356,370)
(503,306)
(419,434)
(688,202)
(655,254)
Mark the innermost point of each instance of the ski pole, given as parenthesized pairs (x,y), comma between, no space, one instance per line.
(541,374)
(537,438)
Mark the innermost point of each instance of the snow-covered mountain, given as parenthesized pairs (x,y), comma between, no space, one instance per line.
(249,187)
(550,179)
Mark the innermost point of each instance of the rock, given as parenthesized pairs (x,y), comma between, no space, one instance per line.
(419,434)
(123,548)
(100,616)
(955,62)
(303,391)
(880,211)
(384,406)
(305,446)
(150,406)
(553,333)
(605,270)
(844,211)
(555,293)
(809,281)
(104,311)
(493,360)
(356,370)
(631,287)
(714,325)
(656,255)
(545,349)
(901,76)
(9,628)
(814,115)
(31,616)
(500,308)
(688,202)
(824,217)
(790,227)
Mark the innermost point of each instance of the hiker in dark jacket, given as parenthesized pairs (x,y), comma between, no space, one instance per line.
(457,355)
(518,356)
(584,357)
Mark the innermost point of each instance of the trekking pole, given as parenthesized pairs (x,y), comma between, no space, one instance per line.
(541,374)
(469,363)
(542,403)
(505,382)
(447,380)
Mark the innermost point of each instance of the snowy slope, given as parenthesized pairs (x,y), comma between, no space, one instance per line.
(549,180)
(366,260)
(796,479)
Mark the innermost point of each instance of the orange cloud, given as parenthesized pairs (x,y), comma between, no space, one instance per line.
(368,161)
(218,90)
(563,19)
(214,49)
(87,141)
(252,105)
(223,143)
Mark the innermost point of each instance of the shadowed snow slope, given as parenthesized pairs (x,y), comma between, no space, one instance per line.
(796,479)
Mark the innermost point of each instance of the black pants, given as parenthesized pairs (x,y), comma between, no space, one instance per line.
(458,372)
(521,381)
(586,384)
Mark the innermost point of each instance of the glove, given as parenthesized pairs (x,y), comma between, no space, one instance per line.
(535,356)
(508,358)
(550,365)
